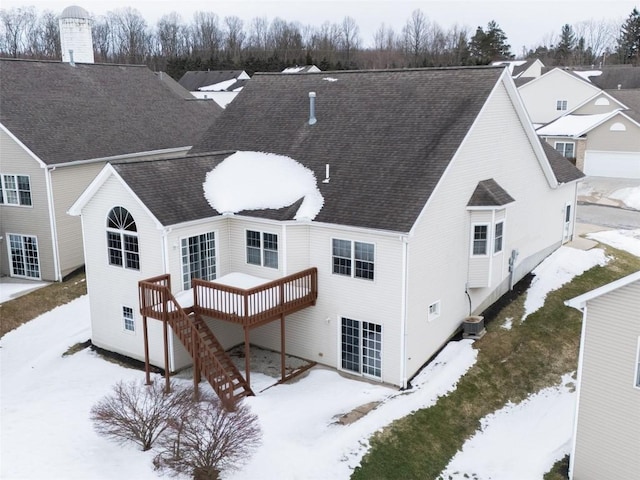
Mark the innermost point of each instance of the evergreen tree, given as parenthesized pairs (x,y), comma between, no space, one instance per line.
(629,39)
(566,45)
(485,47)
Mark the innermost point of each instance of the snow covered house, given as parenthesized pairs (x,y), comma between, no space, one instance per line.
(220,85)
(354,219)
(554,94)
(607,422)
(60,123)
(602,134)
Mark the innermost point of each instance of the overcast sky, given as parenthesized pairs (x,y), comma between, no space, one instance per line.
(527,23)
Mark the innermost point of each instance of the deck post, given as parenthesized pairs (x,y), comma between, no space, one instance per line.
(145,334)
(283,362)
(247,356)
(165,328)
(196,360)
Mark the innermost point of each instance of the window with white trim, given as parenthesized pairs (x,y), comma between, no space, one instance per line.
(23,250)
(353,259)
(128,320)
(498,233)
(262,249)
(566,149)
(480,239)
(122,239)
(15,190)
(434,311)
(198,258)
(361,349)
(561,105)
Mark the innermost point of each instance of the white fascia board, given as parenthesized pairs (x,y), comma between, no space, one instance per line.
(23,146)
(580,301)
(97,183)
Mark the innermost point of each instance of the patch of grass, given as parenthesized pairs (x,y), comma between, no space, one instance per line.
(27,307)
(511,365)
(559,471)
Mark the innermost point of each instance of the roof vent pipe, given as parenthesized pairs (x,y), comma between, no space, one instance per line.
(312,108)
(71,62)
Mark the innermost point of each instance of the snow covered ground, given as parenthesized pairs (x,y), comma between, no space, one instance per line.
(11,288)
(45,401)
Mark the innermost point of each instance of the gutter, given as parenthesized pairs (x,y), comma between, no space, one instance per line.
(127,156)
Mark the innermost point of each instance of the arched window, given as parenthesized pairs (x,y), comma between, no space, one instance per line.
(122,239)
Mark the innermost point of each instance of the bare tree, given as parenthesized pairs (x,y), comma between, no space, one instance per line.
(139,413)
(102,38)
(49,36)
(349,38)
(415,36)
(258,39)
(16,25)
(286,40)
(385,47)
(234,37)
(132,39)
(208,440)
(171,36)
(206,36)
(598,35)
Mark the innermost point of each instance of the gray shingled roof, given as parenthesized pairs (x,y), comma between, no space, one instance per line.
(627,76)
(194,79)
(631,98)
(65,113)
(489,194)
(562,168)
(387,135)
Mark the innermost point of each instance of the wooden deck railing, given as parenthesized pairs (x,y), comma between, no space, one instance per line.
(253,306)
(157,301)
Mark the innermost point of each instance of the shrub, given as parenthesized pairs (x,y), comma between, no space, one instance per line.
(208,439)
(139,413)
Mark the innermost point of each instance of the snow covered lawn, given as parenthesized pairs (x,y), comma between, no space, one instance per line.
(45,401)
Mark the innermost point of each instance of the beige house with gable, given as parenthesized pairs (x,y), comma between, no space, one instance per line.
(606,441)
(425,220)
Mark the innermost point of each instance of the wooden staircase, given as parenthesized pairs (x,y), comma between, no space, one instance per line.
(210,359)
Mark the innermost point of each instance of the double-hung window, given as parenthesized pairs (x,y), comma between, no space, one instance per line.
(567,149)
(262,249)
(498,233)
(353,259)
(480,239)
(561,105)
(128,320)
(122,239)
(15,190)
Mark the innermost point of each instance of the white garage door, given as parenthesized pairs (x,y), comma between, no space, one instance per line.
(612,164)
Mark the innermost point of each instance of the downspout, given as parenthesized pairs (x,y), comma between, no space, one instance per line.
(52,223)
(165,267)
(578,385)
(284,250)
(403,313)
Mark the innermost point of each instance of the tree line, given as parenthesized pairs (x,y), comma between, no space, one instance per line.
(210,42)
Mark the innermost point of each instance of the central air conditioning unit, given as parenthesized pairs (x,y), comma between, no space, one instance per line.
(473,327)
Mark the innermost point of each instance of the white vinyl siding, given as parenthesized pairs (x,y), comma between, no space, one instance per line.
(608,416)
(637,375)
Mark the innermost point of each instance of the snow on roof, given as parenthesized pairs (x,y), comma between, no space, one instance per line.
(258,181)
(587,73)
(293,69)
(574,125)
(218,87)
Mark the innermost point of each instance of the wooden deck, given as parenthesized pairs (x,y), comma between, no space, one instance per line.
(248,307)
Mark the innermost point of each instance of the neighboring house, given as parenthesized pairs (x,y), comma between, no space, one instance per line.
(611,77)
(59,125)
(220,85)
(424,219)
(522,70)
(606,442)
(302,69)
(554,94)
(602,135)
